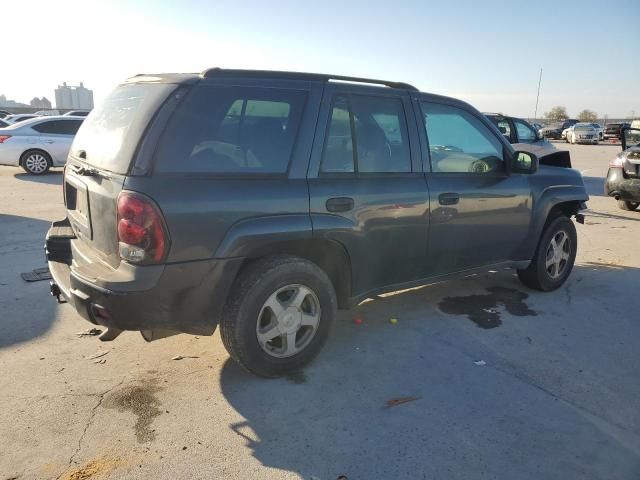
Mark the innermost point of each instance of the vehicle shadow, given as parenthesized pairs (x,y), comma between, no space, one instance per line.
(53,177)
(27,310)
(332,419)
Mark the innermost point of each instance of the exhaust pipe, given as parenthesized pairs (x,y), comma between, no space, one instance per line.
(157,334)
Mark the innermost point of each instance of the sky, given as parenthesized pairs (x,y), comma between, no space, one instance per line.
(488,53)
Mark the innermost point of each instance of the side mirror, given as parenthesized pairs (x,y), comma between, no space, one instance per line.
(524,162)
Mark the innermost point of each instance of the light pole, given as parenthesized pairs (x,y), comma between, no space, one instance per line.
(535,115)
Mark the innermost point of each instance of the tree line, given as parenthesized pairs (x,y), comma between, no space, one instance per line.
(559,113)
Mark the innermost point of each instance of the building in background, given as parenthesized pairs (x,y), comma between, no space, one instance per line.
(43,103)
(77,98)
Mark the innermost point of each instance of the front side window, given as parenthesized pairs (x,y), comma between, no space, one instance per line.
(367,135)
(232,130)
(525,132)
(459,142)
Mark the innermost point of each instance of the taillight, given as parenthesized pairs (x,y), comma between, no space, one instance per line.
(142,232)
(616,162)
(4,138)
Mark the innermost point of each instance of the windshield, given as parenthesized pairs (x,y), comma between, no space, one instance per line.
(110,134)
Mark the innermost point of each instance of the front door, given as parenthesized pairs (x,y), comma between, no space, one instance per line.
(480,213)
(367,190)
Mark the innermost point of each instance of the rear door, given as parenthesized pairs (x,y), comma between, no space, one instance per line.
(99,161)
(56,137)
(480,213)
(366,185)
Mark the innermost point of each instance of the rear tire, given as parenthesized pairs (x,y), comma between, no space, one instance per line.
(554,257)
(256,295)
(35,162)
(628,206)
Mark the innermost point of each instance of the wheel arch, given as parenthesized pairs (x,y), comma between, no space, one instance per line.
(256,238)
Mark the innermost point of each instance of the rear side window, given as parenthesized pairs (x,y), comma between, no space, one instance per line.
(59,127)
(377,126)
(232,130)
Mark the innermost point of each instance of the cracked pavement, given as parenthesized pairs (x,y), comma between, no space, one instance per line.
(556,397)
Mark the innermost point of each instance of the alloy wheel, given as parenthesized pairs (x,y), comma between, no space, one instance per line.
(288,321)
(557,255)
(36,163)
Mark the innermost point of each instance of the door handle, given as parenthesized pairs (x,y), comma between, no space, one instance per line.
(340,204)
(448,198)
(49,141)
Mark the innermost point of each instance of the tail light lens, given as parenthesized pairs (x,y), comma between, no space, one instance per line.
(142,231)
(616,162)
(4,138)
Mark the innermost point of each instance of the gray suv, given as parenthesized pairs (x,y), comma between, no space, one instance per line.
(263,201)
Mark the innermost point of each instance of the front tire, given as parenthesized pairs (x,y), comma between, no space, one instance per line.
(554,257)
(35,162)
(278,315)
(628,206)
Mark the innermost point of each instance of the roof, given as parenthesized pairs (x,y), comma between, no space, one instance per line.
(217,72)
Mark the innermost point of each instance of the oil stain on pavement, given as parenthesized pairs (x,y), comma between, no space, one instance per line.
(482,309)
(141,401)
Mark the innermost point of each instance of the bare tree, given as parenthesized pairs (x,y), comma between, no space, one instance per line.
(587,116)
(557,113)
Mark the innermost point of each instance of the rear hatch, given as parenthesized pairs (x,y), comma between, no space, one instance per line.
(98,163)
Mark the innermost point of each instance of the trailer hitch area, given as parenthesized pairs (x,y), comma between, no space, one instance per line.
(56,292)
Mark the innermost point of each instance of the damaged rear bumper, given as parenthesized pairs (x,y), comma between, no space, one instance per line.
(186,297)
(620,187)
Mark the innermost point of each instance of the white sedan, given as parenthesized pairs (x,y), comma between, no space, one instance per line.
(38,144)
(582,133)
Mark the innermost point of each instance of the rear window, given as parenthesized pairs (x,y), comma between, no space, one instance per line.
(232,130)
(110,135)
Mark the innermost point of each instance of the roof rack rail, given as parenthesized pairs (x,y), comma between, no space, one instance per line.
(220,72)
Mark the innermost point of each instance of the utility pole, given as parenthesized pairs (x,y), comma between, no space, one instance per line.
(535,115)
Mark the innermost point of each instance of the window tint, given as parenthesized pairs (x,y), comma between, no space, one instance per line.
(460,142)
(525,132)
(232,130)
(503,126)
(59,127)
(381,138)
(338,149)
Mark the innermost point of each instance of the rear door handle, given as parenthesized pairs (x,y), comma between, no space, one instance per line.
(339,204)
(49,141)
(448,198)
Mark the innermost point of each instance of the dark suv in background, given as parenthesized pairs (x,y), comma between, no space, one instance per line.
(263,201)
(555,130)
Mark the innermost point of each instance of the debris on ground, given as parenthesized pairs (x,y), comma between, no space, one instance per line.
(180,357)
(393,321)
(97,355)
(36,275)
(100,361)
(89,333)
(400,400)
(480,363)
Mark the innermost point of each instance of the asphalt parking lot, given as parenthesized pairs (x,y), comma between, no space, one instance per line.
(550,392)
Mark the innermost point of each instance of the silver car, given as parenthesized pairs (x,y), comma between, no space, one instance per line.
(582,133)
(38,144)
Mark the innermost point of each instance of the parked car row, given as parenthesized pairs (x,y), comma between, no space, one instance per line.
(39,143)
